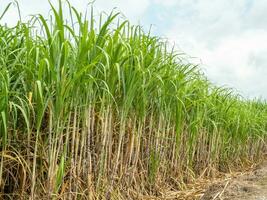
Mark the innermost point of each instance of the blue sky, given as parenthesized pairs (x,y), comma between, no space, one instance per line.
(228,38)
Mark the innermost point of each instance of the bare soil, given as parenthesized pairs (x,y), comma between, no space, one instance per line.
(249,186)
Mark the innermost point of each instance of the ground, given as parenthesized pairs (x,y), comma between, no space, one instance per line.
(249,186)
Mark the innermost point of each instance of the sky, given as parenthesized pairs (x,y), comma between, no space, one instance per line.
(227,38)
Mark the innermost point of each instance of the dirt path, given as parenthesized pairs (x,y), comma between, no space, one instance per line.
(250,186)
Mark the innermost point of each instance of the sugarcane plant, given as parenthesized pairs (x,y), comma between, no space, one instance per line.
(92,107)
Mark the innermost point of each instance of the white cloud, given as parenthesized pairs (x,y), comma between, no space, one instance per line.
(231,41)
(166,2)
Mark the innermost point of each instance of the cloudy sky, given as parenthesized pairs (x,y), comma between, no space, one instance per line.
(227,37)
